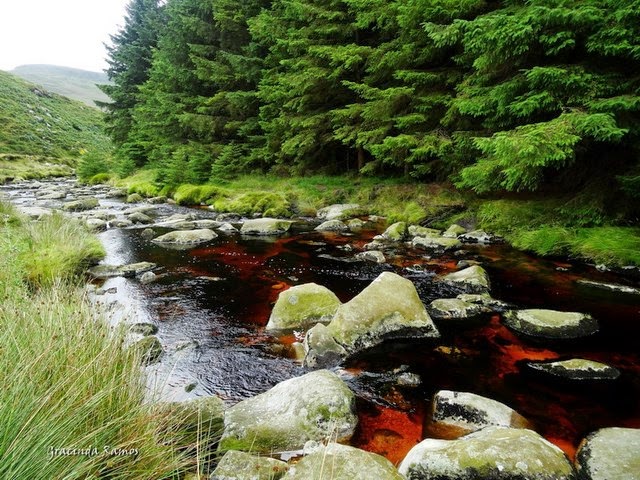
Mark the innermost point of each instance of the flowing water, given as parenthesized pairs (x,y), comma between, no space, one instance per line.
(211,304)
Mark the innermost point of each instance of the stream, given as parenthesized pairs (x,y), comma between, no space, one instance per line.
(212,302)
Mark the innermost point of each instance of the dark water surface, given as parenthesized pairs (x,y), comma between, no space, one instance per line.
(211,304)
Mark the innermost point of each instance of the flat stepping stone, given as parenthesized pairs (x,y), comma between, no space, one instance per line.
(551,324)
(576,369)
(610,454)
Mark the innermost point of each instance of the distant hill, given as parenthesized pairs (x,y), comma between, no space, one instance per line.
(35,122)
(70,82)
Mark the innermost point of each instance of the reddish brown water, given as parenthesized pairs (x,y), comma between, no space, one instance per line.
(218,298)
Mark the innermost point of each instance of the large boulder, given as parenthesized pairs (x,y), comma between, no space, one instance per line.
(316,406)
(236,465)
(419,231)
(396,232)
(388,308)
(332,226)
(186,237)
(473,279)
(342,462)
(457,413)
(435,242)
(265,226)
(550,324)
(495,453)
(303,305)
(454,230)
(578,369)
(610,454)
(339,211)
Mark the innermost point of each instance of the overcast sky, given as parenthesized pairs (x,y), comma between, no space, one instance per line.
(68,33)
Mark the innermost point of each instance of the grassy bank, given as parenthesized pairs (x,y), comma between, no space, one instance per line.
(67,382)
(556,226)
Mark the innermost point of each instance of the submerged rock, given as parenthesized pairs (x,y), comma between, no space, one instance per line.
(611,287)
(551,324)
(265,226)
(495,453)
(458,413)
(236,465)
(388,308)
(339,211)
(316,406)
(473,279)
(577,369)
(342,462)
(332,226)
(186,237)
(610,454)
(303,305)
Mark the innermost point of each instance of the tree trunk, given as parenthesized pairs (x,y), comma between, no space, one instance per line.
(361,159)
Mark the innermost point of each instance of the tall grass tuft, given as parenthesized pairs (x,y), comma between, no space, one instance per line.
(71,402)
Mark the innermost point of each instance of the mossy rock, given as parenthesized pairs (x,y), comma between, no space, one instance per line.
(303,305)
(610,454)
(550,324)
(129,270)
(316,406)
(265,226)
(320,348)
(456,309)
(186,237)
(81,205)
(144,329)
(495,453)
(236,465)
(436,243)
(339,211)
(134,198)
(454,230)
(332,226)
(418,231)
(396,232)
(473,279)
(389,307)
(338,462)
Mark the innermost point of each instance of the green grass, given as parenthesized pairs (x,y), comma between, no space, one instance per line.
(32,167)
(39,123)
(67,381)
(143,182)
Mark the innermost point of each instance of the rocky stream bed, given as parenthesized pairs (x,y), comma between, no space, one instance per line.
(395,351)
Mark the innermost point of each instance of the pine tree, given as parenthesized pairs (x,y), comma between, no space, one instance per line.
(129,59)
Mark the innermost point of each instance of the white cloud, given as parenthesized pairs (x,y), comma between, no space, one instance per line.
(58,32)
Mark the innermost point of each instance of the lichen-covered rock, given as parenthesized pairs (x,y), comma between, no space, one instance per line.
(342,462)
(388,308)
(144,329)
(320,348)
(418,231)
(355,224)
(375,256)
(303,305)
(129,270)
(454,230)
(121,223)
(457,413)
(610,454)
(332,226)
(148,277)
(551,324)
(473,279)
(495,453)
(81,205)
(226,227)
(96,224)
(186,237)
(396,232)
(134,198)
(436,243)
(265,226)
(576,369)
(316,406)
(139,217)
(339,211)
(456,309)
(236,465)
(157,200)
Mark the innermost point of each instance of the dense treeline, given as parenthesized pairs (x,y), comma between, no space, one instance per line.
(499,96)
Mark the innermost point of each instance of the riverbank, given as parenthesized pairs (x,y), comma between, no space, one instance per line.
(72,397)
(548,226)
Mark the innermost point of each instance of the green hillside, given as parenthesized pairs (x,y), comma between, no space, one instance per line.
(43,133)
(69,82)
